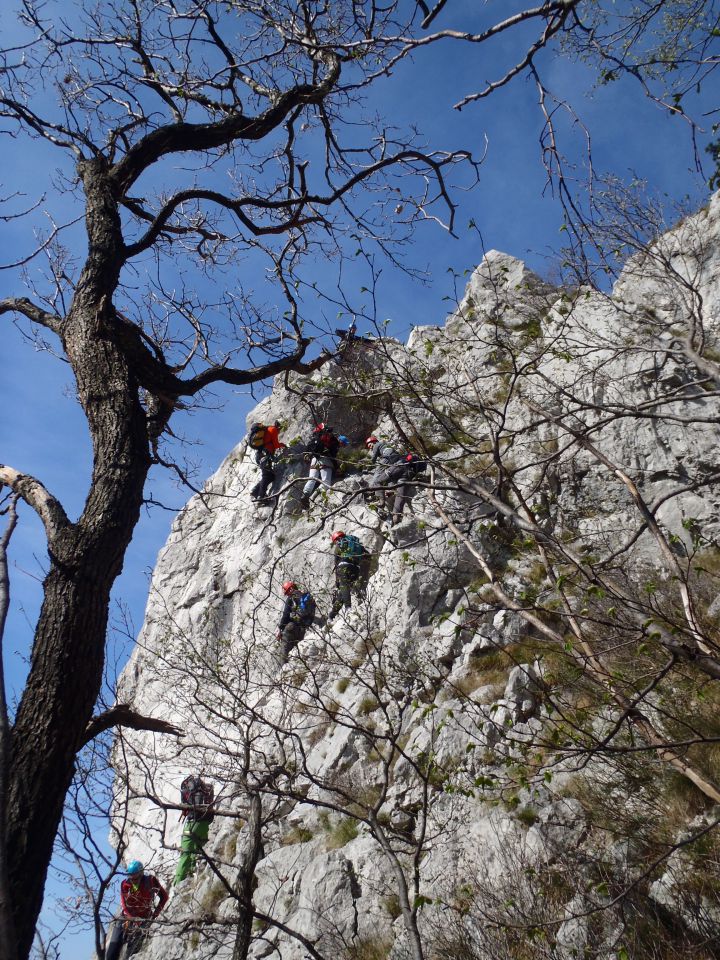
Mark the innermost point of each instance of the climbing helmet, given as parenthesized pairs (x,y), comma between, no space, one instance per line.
(288,587)
(338,535)
(370,442)
(134,867)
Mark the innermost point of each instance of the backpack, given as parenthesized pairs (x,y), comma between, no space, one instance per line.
(387,454)
(415,465)
(304,608)
(256,437)
(198,795)
(325,443)
(351,548)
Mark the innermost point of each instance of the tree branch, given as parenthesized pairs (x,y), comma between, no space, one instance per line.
(47,507)
(30,310)
(122,715)
(184,137)
(158,378)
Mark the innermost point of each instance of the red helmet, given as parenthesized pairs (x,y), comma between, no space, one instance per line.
(370,441)
(289,586)
(338,535)
(319,427)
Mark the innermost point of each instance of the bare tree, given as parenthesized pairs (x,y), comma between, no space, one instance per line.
(229,91)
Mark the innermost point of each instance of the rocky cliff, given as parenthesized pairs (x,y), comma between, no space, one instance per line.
(506,746)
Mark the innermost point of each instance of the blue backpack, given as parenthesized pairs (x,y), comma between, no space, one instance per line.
(304,608)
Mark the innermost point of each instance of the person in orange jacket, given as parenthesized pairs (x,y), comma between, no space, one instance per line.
(265,459)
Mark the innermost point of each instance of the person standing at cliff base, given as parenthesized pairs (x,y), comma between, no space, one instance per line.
(197,798)
(138,894)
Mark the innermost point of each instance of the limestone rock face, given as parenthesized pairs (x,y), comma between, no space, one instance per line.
(402,754)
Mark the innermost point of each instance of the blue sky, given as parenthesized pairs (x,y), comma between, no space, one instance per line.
(42,429)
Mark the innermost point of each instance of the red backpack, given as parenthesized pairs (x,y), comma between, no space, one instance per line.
(197,796)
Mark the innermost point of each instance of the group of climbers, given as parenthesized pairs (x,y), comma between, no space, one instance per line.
(142,896)
(392,473)
(321,452)
(390,466)
(351,571)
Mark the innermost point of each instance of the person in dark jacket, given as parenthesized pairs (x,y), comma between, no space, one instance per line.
(297,616)
(265,459)
(322,451)
(138,895)
(388,461)
(350,561)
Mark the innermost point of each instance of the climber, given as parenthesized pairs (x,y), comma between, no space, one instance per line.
(349,336)
(395,468)
(297,616)
(413,467)
(322,453)
(196,796)
(265,441)
(351,560)
(346,336)
(137,908)
(390,465)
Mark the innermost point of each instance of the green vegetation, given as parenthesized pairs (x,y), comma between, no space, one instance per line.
(367,705)
(391,905)
(371,948)
(341,833)
(296,835)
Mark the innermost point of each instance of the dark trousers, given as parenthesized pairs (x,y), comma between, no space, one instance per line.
(124,931)
(346,575)
(385,473)
(267,475)
(292,634)
(402,496)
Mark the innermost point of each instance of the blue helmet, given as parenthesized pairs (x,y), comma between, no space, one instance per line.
(343,440)
(134,867)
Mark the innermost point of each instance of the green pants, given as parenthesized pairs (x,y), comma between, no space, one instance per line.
(194,837)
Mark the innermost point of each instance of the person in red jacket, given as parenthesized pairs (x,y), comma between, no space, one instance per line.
(138,896)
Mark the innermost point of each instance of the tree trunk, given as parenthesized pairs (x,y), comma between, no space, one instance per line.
(64,682)
(69,647)
(252,852)
(7,926)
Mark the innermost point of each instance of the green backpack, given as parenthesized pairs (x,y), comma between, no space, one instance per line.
(351,548)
